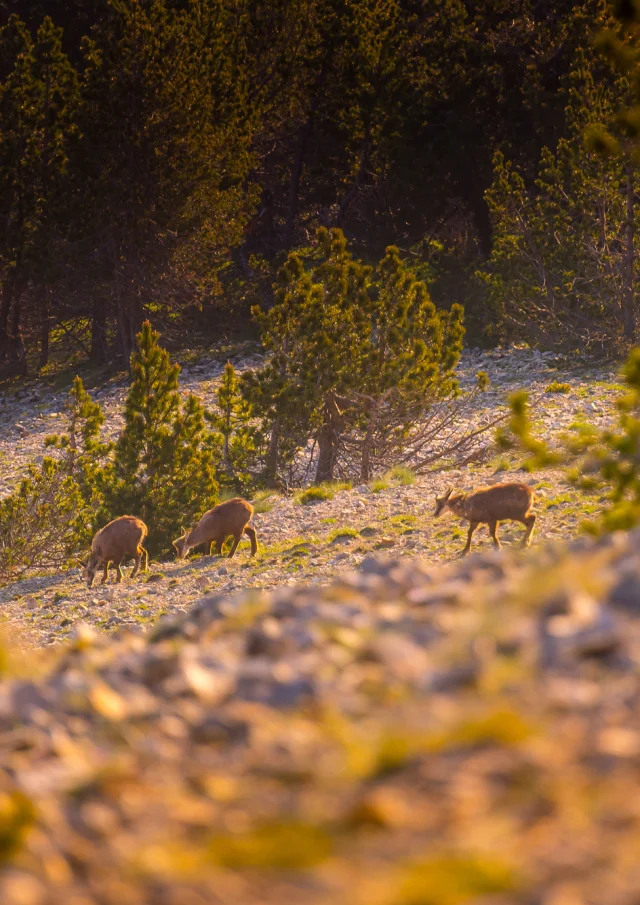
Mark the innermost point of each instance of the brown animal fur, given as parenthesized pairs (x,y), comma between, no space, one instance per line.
(490,506)
(120,539)
(228,519)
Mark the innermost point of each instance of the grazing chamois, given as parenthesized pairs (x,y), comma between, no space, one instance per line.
(120,539)
(490,506)
(228,519)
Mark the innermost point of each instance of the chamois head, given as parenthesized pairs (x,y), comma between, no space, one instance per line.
(442,502)
(180,544)
(90,569)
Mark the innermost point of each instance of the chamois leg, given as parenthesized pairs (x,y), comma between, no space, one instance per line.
(529,521)
(118,572)
(136,563)
(250,531)
(219,544)
(472,528)
(210,547)
(234,546)
(493,530)
(105,574)
(145,559)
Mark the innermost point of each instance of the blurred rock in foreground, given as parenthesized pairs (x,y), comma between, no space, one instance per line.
(408,735)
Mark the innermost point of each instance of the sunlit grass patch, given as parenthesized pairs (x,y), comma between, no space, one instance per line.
(403,520)
(398,476)
(557,387)
(401,475)
(501,463)
(321,492)
(263,501)
(342,534)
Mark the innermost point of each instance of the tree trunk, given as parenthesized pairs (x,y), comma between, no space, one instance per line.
(44,330)
(98,352)
(271,462)
(294,182)
(367,446)
(18,353)
(5,308)
(124,341)
(328,440)
(135,316)
(628,300)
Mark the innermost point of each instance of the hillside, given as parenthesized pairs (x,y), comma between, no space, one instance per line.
(304,542)
(407,735)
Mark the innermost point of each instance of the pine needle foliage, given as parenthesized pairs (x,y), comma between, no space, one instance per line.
(232,422)
(164,464)
(608,458)
(84,453)
(358,356)
(562,272)
(43,522)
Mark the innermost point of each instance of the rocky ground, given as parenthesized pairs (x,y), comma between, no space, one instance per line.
(406,735)
(419,730)
(300,542)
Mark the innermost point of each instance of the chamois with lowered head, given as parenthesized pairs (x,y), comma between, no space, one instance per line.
(227,519)
(490,506)
(120,539)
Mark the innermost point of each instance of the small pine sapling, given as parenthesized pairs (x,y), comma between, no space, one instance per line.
(164,465)
(232,422)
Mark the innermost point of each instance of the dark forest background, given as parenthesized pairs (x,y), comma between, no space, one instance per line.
(160,158)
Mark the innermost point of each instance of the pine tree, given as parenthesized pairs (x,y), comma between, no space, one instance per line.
(357,356)
(409,358)
(232,422)
(164,465)
(164,157)
(563,268)
(38,108)
(43,524)
(85,454)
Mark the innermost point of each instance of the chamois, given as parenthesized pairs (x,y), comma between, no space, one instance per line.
(120,539)
(216,525)
(491,505)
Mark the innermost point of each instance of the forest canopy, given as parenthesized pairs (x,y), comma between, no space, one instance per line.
(161,158)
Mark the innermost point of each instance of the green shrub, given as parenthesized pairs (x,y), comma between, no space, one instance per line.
(610,457)
(164,465)
(402,475)
(342,534)
(231,421)
(320,492)
(556,387)
(43,523)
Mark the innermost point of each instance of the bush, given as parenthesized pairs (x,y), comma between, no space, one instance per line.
(164,465)
(556,387)
(44,523)
(359,356)
(608,457)
(238,437)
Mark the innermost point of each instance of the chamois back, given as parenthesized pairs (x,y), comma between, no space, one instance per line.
(118,540)
(230,518)
(491,505)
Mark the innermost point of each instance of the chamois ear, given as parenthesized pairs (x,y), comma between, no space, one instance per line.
(448,494)
(183,529)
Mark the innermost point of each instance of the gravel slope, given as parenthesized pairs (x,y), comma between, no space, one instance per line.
(301,543)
